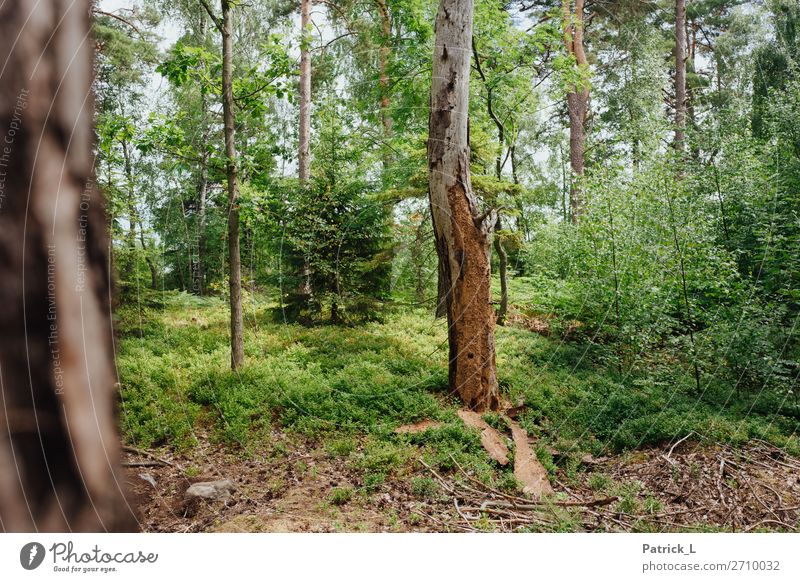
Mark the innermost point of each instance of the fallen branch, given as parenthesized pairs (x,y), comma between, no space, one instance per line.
(129,449)
(142,464)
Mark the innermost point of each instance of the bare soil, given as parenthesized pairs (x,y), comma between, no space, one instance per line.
(688,486)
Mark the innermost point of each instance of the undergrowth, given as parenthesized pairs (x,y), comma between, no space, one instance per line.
(350,387)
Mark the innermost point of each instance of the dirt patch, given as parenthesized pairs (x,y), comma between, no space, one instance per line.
(691,486)
(275,492)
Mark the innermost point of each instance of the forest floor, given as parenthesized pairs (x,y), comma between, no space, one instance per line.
(693,487)
(307,431)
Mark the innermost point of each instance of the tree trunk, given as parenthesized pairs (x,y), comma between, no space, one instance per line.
(680,74)
(418,260)
(441,285)
(130,237)
(306,290)
(577,104)
(522,221)
(148,259)
(383,65)
(305,92)
(199,282)
(503,272)
(59,448)
(463,237)
(234,257)
(202,193)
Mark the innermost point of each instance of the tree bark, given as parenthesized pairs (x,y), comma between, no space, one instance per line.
(202,193)
(199,282)
(305,93)
(59,448)
(130,237)
(577,104)
(234,257)
(502,264)
(148,259)
(463,236)
(680,74)
(306,290)
(441,285)
(383,65)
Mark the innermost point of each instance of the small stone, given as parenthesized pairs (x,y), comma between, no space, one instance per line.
(211,490)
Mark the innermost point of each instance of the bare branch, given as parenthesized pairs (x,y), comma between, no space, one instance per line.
(98,12)
(214,18)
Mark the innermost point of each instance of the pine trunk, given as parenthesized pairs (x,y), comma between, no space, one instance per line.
(463,237)
(577,104)
(680,74)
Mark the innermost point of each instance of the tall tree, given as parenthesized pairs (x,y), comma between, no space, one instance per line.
(577,99)
(463,234)
(680,74)
(305,92)
(384,81)
(304,153)
(225,28)
(59,449)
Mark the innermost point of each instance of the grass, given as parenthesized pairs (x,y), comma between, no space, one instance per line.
(350,387)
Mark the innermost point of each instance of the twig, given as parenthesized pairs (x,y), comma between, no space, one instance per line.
(161,460)
(142,463)
(672,448)
(461,513)
(766,521)
(438,477)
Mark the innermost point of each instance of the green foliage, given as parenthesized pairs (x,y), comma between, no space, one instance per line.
(331,235)
(671,306)
(334,382)
(341,495)
(424,487)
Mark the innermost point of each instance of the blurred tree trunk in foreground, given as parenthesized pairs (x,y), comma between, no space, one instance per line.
(59,449)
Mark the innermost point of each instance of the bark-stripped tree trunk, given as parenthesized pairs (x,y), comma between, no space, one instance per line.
(462,235)
(59,448)
(234,257)
(577,103)
(680,74)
